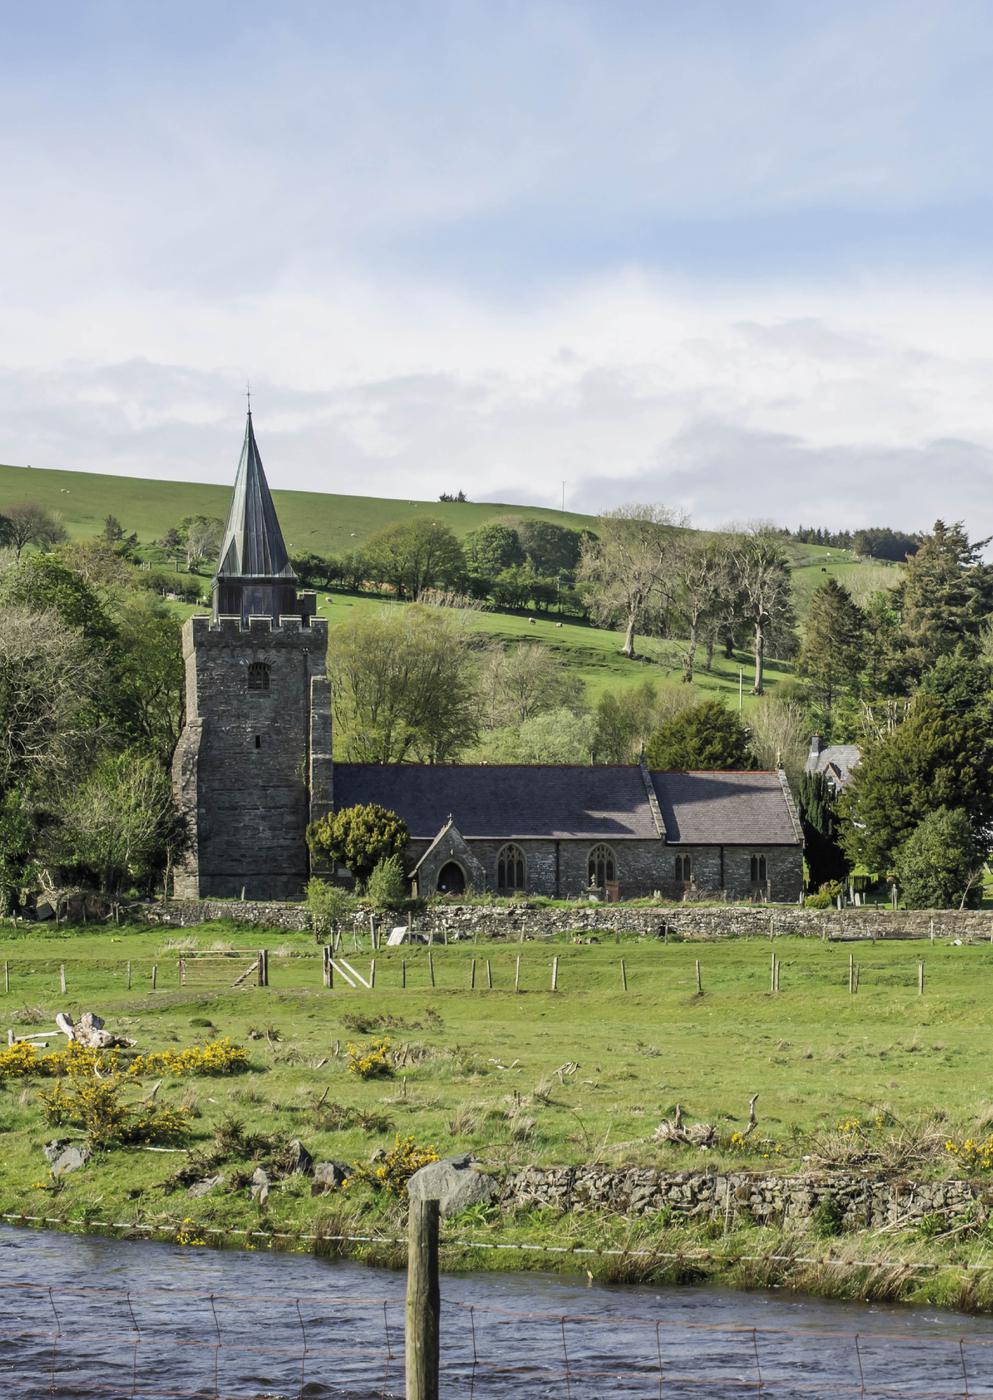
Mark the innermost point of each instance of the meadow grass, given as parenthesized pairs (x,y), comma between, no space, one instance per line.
(582,1075)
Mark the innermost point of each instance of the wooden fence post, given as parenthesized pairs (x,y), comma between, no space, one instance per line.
(517,974)
(779,965)
(431,965)
(6,977)
(851,974)
(624,976)
(62,978)
(920,979)
(422,1341)
(555,973)
(129,975)
(699,979)
(489,976)
(328,970)
(472,975)
(403,972)
(155,975)
(772,974)
(372,975)
(263,968)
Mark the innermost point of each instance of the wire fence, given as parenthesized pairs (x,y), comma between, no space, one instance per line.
(76,1341)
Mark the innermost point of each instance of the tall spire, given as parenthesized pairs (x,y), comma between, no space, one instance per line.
(254,575)
(253,542)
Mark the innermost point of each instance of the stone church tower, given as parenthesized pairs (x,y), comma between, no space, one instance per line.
(253,763)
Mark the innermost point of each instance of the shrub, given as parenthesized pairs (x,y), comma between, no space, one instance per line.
(387,885)
(215,1057)
(96,1106)
(328,906)
(372,1062)
(397,1166)
(359,837)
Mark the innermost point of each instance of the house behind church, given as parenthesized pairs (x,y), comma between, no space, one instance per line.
(253,767)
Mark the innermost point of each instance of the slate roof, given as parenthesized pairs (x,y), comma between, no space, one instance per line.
(841,757)
(253,542)
(725,809)
(560,802)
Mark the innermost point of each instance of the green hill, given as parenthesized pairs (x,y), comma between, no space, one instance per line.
(311,520)
(333,524)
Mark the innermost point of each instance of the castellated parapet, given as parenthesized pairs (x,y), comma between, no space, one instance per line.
(253,764)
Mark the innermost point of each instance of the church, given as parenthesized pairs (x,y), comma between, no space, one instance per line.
(254,766)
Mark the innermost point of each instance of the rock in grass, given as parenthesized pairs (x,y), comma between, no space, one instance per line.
(65,1156)
(260,1185)
(328,1176)
(205,1185)
(454,1182)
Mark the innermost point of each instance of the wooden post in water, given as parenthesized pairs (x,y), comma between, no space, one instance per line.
(489,975)
(624,976)
(517,974)
(422,1340)
(431,965)
(699,979)
(555,973)
(920,979)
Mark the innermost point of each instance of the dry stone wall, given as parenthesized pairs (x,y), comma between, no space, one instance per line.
(855,1202)
(510,921)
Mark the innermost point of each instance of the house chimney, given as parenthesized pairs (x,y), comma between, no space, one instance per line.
(815,750)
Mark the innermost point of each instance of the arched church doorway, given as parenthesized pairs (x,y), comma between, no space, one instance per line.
(451,879)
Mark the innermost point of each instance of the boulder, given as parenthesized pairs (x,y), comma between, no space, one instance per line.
(65,1156)
(260,1185)
(455,1182)
(297,1159)
(207,1184)
(328,1176)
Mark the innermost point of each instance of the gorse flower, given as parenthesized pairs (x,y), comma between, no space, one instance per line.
(371,1062)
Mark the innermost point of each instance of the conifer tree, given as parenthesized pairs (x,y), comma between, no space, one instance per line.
(832,652)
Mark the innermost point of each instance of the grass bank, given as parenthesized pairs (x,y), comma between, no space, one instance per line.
(884,1079)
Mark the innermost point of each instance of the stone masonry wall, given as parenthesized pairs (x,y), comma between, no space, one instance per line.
(246,760)
(510,921)
(857,1202)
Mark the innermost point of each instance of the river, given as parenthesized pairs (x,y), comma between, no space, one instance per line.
(84,1317)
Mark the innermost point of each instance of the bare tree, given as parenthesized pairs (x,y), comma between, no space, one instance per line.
(626,571)
(705,595)
(522,681)
(763,574)
(780,734)
(30,523)
(202,536)
(48,674)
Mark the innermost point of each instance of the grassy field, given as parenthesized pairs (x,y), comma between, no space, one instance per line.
(311,520)
(584,1074)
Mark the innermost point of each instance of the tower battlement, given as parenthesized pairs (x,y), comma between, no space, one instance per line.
(291,629)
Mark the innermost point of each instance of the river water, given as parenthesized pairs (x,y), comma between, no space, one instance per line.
(88,1317)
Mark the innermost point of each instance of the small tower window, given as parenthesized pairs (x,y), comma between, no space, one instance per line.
(684,870)
(601,867)
(258,676)
(511,869)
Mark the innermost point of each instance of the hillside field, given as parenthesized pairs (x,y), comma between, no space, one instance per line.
(334,524)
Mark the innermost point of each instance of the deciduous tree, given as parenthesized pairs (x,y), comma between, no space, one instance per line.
(414,555)
(29,523)
(763,575)
(627,570)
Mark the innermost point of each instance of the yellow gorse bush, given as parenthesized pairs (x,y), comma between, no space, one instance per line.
(397,1167)
(372,1061)
(215,1057)
(22,1060)
(973,1153)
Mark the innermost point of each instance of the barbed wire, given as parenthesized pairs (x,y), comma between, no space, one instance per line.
(169,1229)
(183,1343)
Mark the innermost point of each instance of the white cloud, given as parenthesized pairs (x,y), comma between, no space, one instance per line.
(842,406)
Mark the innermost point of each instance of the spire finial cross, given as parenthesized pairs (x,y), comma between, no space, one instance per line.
(248,395)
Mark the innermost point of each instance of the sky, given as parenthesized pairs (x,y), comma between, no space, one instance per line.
(734,257)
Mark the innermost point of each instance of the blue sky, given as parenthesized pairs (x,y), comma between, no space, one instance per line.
(733,257)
